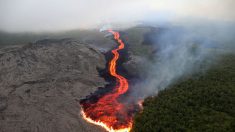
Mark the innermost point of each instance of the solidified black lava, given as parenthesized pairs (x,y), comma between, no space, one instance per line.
(104,73)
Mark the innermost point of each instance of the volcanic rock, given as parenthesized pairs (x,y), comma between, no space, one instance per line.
(41,84)
(136,65)
(3,103)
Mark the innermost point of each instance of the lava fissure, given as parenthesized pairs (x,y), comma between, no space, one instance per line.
(107,111)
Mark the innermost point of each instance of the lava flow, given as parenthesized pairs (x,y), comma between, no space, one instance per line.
(108,111)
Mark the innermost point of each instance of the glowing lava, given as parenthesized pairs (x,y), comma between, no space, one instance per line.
(107,111)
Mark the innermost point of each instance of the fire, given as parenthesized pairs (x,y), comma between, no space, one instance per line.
(140,103)
(99,123)
(107,111)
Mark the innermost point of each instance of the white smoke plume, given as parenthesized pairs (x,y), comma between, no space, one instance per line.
(182,50)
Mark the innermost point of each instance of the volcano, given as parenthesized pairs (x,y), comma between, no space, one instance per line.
(108,110)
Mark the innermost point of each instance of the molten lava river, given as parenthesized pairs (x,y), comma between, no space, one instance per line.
(107,111)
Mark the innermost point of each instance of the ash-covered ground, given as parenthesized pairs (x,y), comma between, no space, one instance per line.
(41,84)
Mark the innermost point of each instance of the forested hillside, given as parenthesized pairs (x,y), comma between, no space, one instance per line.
(205,102)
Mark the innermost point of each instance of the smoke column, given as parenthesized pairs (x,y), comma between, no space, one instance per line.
(182,51)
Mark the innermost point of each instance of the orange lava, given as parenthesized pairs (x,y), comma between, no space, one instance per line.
(108,112)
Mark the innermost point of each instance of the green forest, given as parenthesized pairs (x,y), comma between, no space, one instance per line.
(203,103)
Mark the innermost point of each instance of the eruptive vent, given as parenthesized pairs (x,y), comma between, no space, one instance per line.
(108,110)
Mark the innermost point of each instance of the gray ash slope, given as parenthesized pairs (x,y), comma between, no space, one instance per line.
(41,84)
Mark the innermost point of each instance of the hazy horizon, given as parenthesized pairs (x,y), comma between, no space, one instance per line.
(52,15)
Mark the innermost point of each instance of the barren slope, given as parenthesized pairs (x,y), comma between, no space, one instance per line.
(41,84)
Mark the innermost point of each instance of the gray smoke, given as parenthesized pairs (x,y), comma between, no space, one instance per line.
(183,50)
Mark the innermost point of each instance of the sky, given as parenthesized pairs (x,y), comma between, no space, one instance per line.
(56,15)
